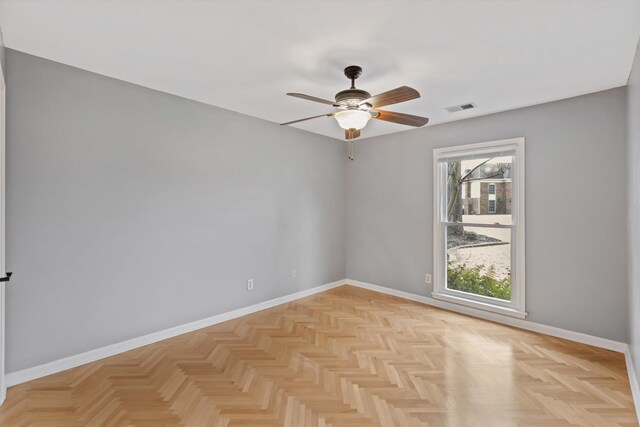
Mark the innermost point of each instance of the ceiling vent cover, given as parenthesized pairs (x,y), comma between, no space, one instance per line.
(461,107)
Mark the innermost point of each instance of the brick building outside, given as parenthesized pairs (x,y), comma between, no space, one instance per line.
(487,195)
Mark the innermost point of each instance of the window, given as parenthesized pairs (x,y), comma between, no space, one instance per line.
(479,243)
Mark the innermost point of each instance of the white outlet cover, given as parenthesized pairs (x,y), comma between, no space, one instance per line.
(250,284)
(427,278)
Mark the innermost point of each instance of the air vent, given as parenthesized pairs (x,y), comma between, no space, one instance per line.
(461,107)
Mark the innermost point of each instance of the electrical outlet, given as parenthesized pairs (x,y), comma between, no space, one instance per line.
(250,284)
(427,278)
(294,274)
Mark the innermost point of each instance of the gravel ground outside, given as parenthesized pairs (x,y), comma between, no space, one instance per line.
(484,255)
(498,256)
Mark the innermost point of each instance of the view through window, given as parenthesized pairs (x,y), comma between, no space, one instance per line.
(479,254)
(479,228)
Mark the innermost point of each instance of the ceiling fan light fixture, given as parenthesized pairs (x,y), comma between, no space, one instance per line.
(353,119)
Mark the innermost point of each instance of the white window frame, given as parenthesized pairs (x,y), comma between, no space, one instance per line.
(491,184)
(515,307)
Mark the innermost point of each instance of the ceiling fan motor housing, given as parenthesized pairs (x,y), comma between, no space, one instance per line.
(352,97)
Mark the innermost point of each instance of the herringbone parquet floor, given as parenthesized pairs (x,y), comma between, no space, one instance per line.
(346,357)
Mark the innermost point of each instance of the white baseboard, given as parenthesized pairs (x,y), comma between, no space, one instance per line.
(49,368)
(633,381)
(498,318)
(43,370)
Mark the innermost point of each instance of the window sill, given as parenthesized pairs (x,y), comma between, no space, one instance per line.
(507,311)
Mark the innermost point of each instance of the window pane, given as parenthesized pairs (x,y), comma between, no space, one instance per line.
(479,261)
(479,190)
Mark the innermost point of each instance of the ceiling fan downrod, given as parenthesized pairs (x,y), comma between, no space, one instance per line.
(353,72)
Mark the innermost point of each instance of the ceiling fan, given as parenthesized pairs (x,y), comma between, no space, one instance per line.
(357,106)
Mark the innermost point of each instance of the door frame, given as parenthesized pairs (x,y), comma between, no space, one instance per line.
(3,388)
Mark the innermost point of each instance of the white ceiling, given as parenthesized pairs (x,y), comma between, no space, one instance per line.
(245,55)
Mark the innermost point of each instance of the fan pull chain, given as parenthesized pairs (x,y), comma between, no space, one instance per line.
(350,150)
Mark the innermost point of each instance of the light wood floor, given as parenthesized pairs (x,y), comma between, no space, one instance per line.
(346,357)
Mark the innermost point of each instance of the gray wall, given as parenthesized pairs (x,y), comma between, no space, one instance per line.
(633,132)
(130,211)
(576,196)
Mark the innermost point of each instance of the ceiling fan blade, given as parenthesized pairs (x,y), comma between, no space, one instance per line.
(401,118)
(394,96)
(351,133)
(312,98)
(308,118)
